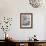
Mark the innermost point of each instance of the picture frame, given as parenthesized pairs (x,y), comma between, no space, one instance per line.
(26,20)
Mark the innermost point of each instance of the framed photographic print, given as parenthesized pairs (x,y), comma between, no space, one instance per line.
(26,20)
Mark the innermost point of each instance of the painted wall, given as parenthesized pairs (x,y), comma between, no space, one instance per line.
(13,8)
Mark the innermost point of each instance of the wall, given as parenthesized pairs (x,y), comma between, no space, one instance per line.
(13,8)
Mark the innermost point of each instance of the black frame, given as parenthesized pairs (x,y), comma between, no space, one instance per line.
(31,15)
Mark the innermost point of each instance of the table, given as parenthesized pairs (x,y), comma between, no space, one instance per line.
(26,42)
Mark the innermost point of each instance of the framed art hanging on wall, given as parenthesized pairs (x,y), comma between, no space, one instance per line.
(26,20)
